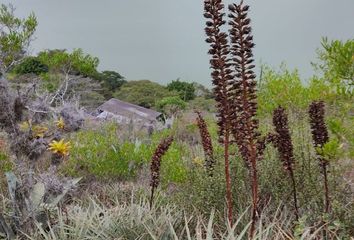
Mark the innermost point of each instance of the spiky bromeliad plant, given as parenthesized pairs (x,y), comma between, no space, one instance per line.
(155,166)
(320,138)
(207,143)
(282,141)
(221,75)
(60,148)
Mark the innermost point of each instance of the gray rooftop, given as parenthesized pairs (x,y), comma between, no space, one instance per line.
(119,107)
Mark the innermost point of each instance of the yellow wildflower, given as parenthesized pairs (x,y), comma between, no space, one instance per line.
(60,147)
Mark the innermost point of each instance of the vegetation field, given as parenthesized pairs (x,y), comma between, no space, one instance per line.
(255,157)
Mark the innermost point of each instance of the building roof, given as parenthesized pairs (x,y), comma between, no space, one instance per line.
(129,110)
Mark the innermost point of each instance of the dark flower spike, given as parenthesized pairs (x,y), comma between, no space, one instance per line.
(207,143)
(284,143)
(242,93)
(318,125)
(161,149)
(285,148)
(220,63)
(320,138)
(221,75)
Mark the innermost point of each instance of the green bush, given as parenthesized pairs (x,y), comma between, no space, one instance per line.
(144,93)
(185,90)
(285,88)
(101,153)
(77,62)
(30,65)
(50,82)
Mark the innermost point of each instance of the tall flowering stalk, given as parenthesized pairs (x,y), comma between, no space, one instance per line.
(320,138)
(243,95)
(283,143)
(222,75)
(207,143)
(155,166)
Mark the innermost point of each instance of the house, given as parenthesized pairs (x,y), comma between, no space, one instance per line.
(127,113)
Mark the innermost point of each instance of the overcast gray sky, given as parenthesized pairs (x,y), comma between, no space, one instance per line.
(162,40)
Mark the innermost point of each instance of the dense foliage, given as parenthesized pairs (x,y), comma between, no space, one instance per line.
(143,92)
(336,62)
(30,65)
(76,62)
(186,90)
(15,36)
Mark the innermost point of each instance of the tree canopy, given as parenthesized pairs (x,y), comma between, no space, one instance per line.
(15,36)
(171,105)
(112,80)
(76,62)
(186,90)
(143,92)
(337,63)
(30,65)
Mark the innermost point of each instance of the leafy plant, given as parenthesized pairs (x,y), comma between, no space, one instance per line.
(15,36)
(30,65)
(60,148)
(336,62)
(76,62)
(33,208)
(171,105)
(186,90)
(143,93)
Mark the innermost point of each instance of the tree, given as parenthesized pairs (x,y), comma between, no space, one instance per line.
(144,93)
(170,106)
(30,65)
(75,63)
(337,63)
(202,91)
(71,76)
(186,90)
(15,36)
(111,82)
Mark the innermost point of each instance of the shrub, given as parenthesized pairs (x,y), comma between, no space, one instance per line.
(171,105)
(282,88)
(101,154)
(30,65)
(185,90)
(143,92)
